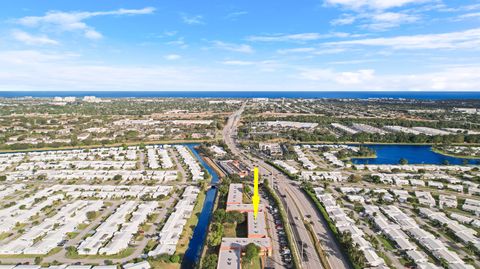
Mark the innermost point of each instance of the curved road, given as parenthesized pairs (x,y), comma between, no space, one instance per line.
(300,208)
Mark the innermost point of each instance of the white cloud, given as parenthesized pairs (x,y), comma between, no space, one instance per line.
(345,19)
(470,15)
(172,57)
(373,14)
(462,78)
(454,40)
(74,21)
(344,78)
(310,50)
(471,7)
(243,48)
(296,50)
(29,39)
(386,20)
(23,70)
(238,62)
(179,42)
(34,70)
(375,20)
(373,4)
(192,19)
(234,15)
(33,57)
(300,37)
(92,34)
(289,37)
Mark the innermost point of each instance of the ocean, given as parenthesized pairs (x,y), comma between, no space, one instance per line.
(247,94)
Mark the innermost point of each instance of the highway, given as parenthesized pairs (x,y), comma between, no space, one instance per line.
(298,205)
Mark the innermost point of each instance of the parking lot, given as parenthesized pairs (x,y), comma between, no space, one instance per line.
(282,257)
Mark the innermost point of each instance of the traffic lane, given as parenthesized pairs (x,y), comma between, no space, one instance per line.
(335,256)
(302,238)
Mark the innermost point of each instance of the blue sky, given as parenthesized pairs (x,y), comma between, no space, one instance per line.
(240,45)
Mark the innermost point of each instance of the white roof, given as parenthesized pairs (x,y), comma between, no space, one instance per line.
(138,265)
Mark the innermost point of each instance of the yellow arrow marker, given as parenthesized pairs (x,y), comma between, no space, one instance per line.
(256,197)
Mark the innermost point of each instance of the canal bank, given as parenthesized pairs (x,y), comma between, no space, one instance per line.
(195,247)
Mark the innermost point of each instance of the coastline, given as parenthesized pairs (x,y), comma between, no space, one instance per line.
(439,151)
(373,156)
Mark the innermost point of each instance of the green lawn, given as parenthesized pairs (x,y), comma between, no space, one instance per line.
(256,264)
(386,243)
(82,226)
(4,235)
(123,254)
(191,224)
(164,265)
(229,230)
(72,235)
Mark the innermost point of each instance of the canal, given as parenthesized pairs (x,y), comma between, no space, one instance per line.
(415,154)
(195,247)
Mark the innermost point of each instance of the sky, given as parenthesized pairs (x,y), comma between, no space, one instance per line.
(226,45)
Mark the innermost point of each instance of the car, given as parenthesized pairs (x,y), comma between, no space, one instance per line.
(305,256)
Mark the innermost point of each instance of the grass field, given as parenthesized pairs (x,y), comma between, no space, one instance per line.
(164,265)
(191,223)
(4,235)
(229,230)
(123,254)
(256,264)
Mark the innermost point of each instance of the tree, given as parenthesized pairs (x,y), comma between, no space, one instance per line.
(251,252)
(219,215)
(38,260)
(117,177)
(234,217)
(175,258)
(210,261)
(71,250)
(246,189)
(403,161)
(355,178)
(215,238)
(91,215)
(203,184)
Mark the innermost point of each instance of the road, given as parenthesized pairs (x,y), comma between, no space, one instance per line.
(178,164)
(299,206)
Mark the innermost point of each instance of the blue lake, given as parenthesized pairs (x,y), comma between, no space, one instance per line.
(195,247)
(391,154)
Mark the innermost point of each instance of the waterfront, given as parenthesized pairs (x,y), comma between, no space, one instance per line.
(195,247)
(415,154)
